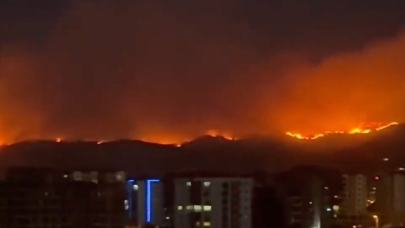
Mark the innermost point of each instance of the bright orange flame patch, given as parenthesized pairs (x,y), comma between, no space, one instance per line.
(215,133)
(364,128)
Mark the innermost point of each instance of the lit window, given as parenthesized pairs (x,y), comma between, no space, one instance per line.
(385,159)
(94,177)
(65,176)
(310,202)
(189,207)
(207,224)
(328,209)
(126,205)
(179,208)
(120,176)
(188,183)
(207,208)
(326,188)
(77,176)
(135,187)
(197,208)
(207,184)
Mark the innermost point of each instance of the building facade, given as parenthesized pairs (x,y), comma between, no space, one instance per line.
(213,202)
(34,198)
(355,195)
(144,203)
(390,198)
(353,211)
(313,207)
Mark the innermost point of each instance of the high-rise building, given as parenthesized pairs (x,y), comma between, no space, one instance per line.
(316,194)
(383,189)
(144,202)
(313,206)
(213,202)
(390,198)
(53,198)
(355,195)
(398,193)
(353,211)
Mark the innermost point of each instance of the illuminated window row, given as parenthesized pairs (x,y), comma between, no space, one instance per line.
(195,208)
(206,184)
(204,224)
(94,176)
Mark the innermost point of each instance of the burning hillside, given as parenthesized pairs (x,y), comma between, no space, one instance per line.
(364,128)
(118,83)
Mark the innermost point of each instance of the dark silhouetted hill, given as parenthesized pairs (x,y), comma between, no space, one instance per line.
(352,152)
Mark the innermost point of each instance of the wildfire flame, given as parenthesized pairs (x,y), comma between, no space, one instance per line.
(158,139)
(215,133)
(364,128)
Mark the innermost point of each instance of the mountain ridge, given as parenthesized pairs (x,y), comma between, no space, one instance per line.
(213,153)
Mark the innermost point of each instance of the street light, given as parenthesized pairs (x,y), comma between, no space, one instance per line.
(376,219)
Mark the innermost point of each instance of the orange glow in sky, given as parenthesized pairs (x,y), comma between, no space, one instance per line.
(148,88)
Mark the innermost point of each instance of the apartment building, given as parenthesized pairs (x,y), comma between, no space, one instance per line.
(353,209)
(313,207)
(213,202)
(144,203)
(390,198)
(355,195)
(33,198)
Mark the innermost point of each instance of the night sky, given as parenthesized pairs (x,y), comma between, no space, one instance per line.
(166,71)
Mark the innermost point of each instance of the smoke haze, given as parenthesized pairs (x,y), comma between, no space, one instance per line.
(167,72)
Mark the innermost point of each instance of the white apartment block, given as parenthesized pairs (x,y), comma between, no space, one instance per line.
(355,194)
(213,202)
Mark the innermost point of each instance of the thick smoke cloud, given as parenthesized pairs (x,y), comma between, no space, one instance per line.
(346,89)
(166,72)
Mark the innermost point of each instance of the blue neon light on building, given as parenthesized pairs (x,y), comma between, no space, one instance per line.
(149,200)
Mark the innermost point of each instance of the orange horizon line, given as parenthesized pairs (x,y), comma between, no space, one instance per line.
(226,136)
(357,130)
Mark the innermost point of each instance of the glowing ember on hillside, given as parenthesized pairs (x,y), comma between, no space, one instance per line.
(215,133)
(178,141)
(165,140)
(364,128)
